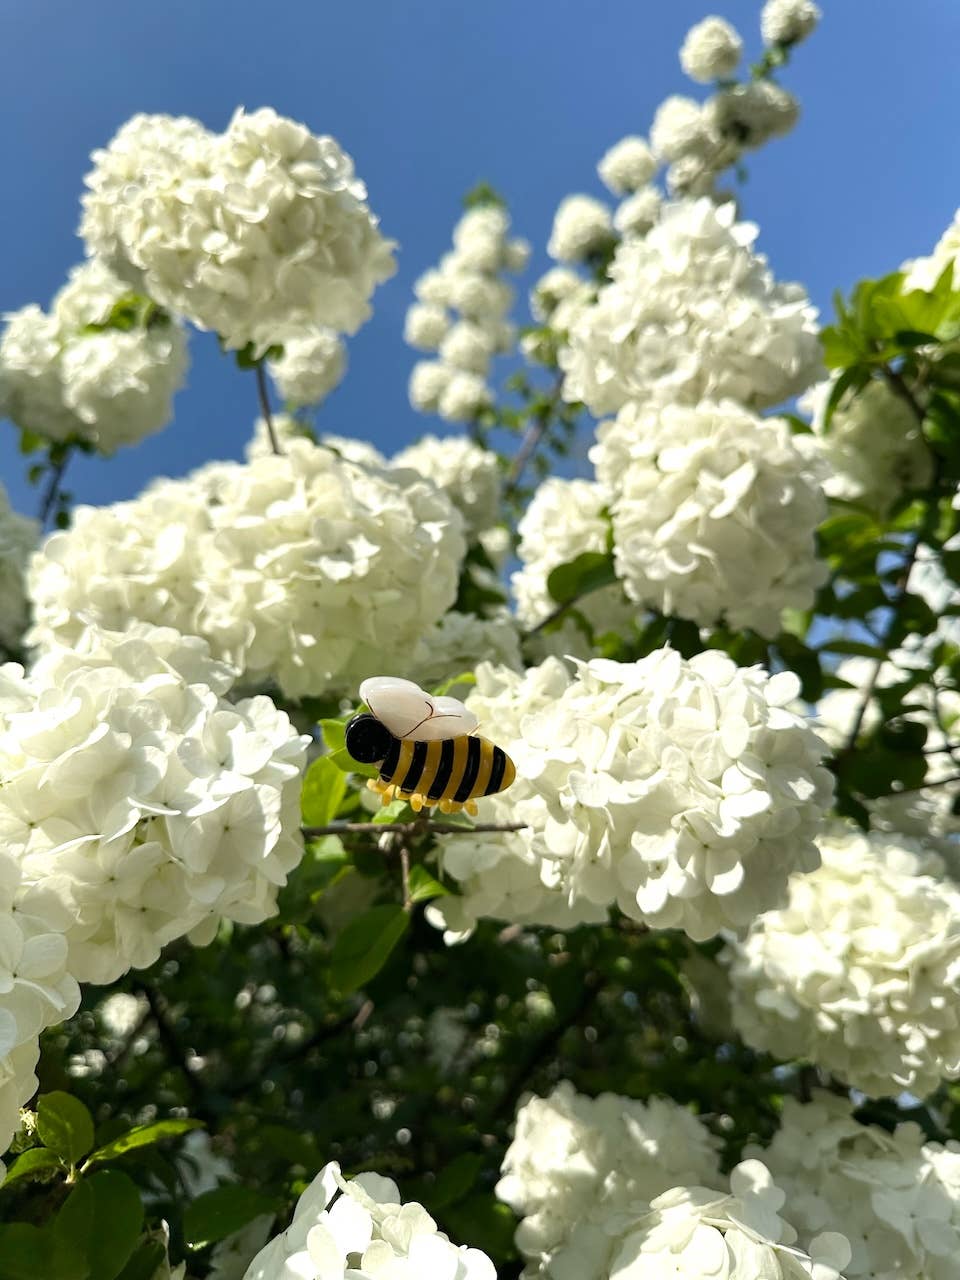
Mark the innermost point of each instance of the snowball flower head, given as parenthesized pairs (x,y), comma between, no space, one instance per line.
(860,972)
(460,642)
(143,799)
(693,313)
(581,226)
(711,50)
(627,166)
(683,791)
(468,475)
(18,537)
(788,21)
(304,569)
(923,273)
(714,513)
(463,396)
(637,214)
(251,233)
(312,365)
(896,1196)
(576,1162)
(108,387)
(748,115)
(360,1228)
(873,452)
(682,128)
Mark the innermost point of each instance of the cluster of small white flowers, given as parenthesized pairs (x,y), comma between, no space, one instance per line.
(18,538)
(788,22)
(36,989)
(312,365)
(923,273)
(467,283)
(578,1162)
(693,313)
(303,569)
(691,1233)
(360,1228)
(714,513)
(107,387)
(628,166)
(860,972)
(582,226)
(711,50)
(895,1196)
(460,642)
(140,797)
(253,233)
(873,450)
(564,519)
(468,475)
(683,791)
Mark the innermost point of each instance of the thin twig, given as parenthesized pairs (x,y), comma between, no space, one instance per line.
(532,437)
(928,786)
(405,875)
(265,407)
(418,827)
(52,492)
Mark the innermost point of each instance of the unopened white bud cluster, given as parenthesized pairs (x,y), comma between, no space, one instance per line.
(711,50)
(142,799)
(714,513)
(895,1196)
(461,313)
(64,377)
(254,233)
(684,792)
(18,538)
(787,22)
(360,1227)
(312,365)
(860,972)
(304,570)
(582,226)
(691,313)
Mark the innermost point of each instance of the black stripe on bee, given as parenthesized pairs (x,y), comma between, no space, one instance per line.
(444,770)
(470,771)
(391,760)
(417,761)
(496,772)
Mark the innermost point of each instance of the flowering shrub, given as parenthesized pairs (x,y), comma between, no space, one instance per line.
(700,1021)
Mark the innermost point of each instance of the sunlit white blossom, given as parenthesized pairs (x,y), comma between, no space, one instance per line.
(312,364)
(711,50)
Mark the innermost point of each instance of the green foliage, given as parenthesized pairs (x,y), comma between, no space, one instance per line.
(65,1126)
(220,1212)
(589,572)
(324,787)
(144,1135)
(365,945)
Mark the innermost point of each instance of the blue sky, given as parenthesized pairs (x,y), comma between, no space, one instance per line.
(431,95)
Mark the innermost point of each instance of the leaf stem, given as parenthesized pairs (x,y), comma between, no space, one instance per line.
(265,407)
(52,491)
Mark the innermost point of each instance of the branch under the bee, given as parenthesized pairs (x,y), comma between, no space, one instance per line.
(418,826)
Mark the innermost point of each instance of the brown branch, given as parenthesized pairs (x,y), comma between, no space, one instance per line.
(265,407)
(418,827)
(532,437)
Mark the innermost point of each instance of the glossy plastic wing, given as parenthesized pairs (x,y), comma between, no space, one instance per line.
(410,712)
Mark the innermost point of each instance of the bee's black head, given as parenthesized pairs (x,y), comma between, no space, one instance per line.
(367,739)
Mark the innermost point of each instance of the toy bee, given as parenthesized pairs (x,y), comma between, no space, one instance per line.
(425,748)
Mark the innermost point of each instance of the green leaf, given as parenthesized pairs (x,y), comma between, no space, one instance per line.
(334,734)
(456,1180)
(144,1135)
(102,1219)
(345,762)
(65,1126)
(365,946)
(28,1252)
(855,378)
(324,786)
(466,677)
(221,1212)
(395,811)
(423,886)
(35,1163)
(486,1223)
(145,1262)
(590,571)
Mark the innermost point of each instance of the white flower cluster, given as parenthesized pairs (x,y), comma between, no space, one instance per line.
(302,569)
(460,642)
(693,313)
(148,804)
(860,972)
(714,513)
(108,387)
(467,283)
(628,166)
(36,989)
(895,1196)
(683,791)
(564,519)
(577,1162)
(923,273)
(711,50)
(468,475)
(581,226)
(253,233)
(18,538)
(360,1228)
(312,365)
(788,21)
(874,451)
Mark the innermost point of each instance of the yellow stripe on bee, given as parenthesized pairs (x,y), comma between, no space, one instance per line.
(486,768)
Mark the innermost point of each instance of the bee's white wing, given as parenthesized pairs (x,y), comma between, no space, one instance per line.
(399,704)
(450,719)
(410,712)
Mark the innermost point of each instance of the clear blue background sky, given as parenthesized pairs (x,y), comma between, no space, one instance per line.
(431,95)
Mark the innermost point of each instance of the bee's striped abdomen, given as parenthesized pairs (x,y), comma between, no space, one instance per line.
(454,770)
